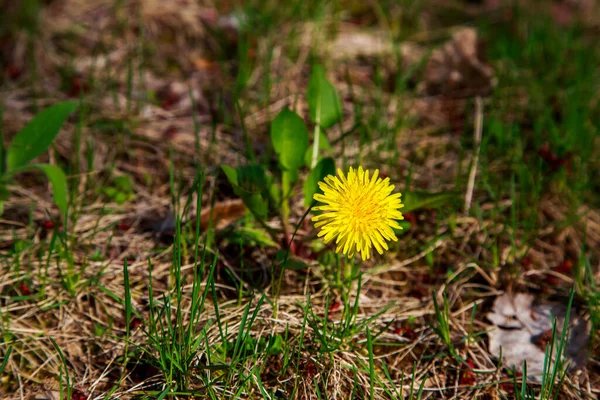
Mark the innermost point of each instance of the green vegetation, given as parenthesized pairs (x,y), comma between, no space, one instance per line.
(170,252)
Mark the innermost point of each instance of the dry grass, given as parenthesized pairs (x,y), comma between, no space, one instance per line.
(129,133)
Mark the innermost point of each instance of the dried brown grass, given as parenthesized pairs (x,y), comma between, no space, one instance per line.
(401,278)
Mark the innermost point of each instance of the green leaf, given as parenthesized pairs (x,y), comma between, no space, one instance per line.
(275,345)
(405,225)
(256,204)
(58,179)
(323,101)
(323,145)
(121,191)
(290,139)
(416,200)
(124,183)
(252,178)
(37,135)
(4,194)
(275,194)
(99,329)
(311,186)
(291,176)
(251,185)
(290,262)
(231,174)
(247,179)
(252,236)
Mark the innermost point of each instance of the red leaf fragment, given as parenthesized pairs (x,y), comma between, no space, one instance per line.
(335,306)
(168,98)
(526,262)
(78,395)
(509,386)
(48,224)
(551,280)
(405,331)
(123,226)
(565,268)
(170,132)
(543,339)
(135,323)
(553,160)
(25,289)
(78,86)
(310,369)
(410,217)
(467,378)
(13,72)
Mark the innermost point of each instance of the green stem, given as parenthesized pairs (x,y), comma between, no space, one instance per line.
(317,134)
(285,190)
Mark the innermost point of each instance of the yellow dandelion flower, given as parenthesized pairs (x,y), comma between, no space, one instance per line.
(360,212)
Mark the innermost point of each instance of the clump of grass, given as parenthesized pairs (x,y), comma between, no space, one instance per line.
(90,303)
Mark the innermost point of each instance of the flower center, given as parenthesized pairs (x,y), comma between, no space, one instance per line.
(361,212)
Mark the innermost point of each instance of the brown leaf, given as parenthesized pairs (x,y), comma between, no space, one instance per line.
(566,12)
(50,395)
(458,69)
(522,330)
(205,64)
(223,213)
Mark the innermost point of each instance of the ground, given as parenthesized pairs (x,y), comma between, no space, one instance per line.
(164,280)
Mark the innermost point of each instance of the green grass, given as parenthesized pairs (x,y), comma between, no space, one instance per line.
(122,299)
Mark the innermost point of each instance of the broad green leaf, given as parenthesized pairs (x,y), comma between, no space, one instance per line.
(416,200)
(257,204)
(231,174)
(37,135)
(323,145)
(250,184)
(58,179)
(291,176)
(311,186)
(4,193)
(290,138)
(275,194)
(252,236)
(291,262)
(323,101)
(252,178)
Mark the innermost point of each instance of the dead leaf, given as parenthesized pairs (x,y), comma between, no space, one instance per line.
(163,226)
(566,12)
(352,43)
(222,213)
(52,395)
(441,111)
(520,333)
(205,64)
(458,69)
